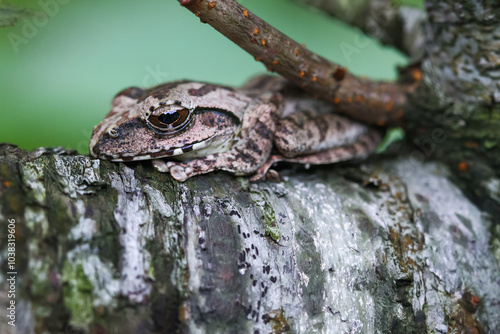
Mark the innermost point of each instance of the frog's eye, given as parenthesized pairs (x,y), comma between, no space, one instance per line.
(169,121)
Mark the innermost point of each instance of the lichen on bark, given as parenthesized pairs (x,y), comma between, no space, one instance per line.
(388,246)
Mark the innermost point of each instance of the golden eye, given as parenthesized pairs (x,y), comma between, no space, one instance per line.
(169,121)
(113,133)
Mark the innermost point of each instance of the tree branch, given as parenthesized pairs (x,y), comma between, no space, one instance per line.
(366,100)
(104,247)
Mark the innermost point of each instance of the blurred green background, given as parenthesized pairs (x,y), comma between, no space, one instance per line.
(58,73)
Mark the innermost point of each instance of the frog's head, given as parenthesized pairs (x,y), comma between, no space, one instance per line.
(180,119)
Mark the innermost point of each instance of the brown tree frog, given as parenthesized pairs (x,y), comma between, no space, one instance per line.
(190,128)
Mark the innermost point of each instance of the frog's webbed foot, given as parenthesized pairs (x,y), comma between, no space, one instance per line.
(182,171)
(232,162)
(266,173)
(178,172)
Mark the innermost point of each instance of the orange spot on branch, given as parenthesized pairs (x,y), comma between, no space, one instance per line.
(211,5)
(390,105)
(417,74)
(256,31)
(471,144)
(462,166)
(245,13)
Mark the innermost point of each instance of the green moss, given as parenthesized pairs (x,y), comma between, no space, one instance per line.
(272,228)
(39,283)
(262,202)
(279,322)
(273,231)
(151,270)
(77,294)
(410,3)
(489,144)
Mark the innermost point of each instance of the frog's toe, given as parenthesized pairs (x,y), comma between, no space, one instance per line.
(160,165)
(180,173)
(264,172)
(273,176)
(266,175)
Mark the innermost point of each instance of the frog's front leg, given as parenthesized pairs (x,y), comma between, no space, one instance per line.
(250,151)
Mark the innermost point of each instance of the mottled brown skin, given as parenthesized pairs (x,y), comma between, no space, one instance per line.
(230,130)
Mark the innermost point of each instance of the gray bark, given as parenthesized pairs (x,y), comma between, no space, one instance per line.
(388,246)
(454,115)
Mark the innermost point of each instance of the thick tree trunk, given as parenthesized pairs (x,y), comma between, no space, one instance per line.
(454,115)
(388,246)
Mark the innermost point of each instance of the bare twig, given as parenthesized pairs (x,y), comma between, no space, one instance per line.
(371,102)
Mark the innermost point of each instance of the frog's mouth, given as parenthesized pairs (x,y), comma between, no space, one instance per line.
(212,145)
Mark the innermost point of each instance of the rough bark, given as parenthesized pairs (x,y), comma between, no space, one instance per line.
(454,115)
(388,246)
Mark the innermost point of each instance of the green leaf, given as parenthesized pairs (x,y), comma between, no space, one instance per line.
(391,136)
